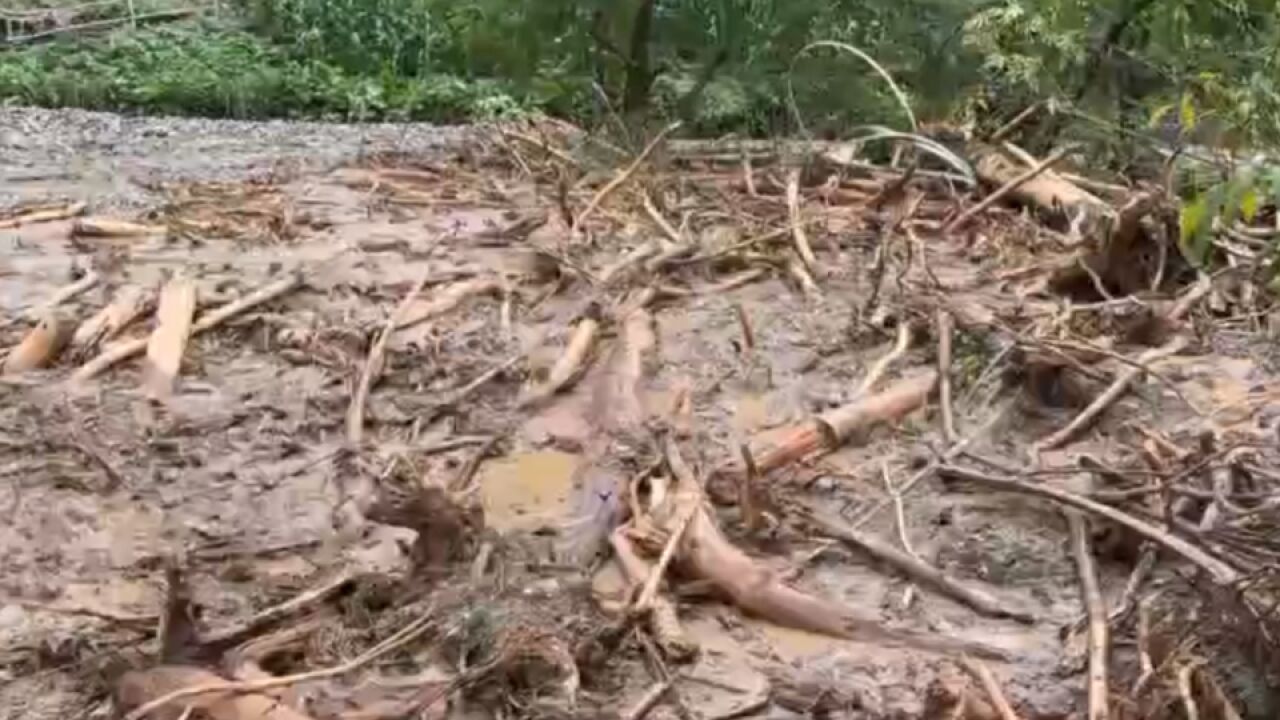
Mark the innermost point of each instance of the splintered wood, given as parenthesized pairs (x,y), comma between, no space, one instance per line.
(168,341)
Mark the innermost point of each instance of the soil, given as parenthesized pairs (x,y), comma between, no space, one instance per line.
(245,476)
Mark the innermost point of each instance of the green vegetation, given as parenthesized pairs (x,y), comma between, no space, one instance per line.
(721,65)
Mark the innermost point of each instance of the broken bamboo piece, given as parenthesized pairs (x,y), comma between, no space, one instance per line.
(168,342)
(1217,569)
(128,305)
(1096,611)
(832,429)
(987,679)
(122,351)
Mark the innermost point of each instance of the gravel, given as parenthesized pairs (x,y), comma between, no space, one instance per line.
(111,160)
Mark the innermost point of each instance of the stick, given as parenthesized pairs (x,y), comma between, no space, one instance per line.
(255,625)
(570,363)
(373,364)
(983,674)
(128,305)
(945,327)
(1109,396)
(654,214)
(1096,610)
(1017,120)
(168,341)
(647,701)
(103,227)
(1005,189)
(446,300)
(63,294)
(917,569)
(42,215)
(400,638)
(123,351)
(620,178)
(39,347)
(1218,570)
(797,228)
(878,370)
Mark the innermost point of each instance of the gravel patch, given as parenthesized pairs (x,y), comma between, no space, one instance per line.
(112,160)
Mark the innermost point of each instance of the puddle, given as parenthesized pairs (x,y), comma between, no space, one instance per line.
(792,645)
(528,491)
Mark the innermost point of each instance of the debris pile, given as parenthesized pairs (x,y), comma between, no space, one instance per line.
(554,428)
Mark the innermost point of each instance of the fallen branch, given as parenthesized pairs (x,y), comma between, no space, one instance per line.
(1218,570)
(120,352)
(797,228)
(128,305)
(983,675)
(1109,396)
(144,689)
(1005,189)
(44,214)
(946,326)
(399,639)
(882,365)
(570,364)
(446,300)
(374,362)
(620,179)
(1096,611)
(917,569)
(706,554)
(63,294)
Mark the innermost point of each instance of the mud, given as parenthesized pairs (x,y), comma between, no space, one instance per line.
(244,476)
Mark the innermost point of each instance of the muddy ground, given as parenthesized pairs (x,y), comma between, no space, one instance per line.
(246,476)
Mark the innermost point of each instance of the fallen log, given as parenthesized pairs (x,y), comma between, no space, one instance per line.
(168,341)
(40,346)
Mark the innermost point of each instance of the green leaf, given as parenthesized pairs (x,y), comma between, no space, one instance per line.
(1249,204)
(1187,113)
(1158,115)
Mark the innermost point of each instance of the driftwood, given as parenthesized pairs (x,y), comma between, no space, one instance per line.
(1043,190)
(122,351)
(42,214)
(373,363)
(168,341)
(569,366)
(128,305)
(703,552)
(104,227)
(1096,611)
(40,346)
(445,300)
(830,429)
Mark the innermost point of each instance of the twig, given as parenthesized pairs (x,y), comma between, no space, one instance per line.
(1184,691)
(945,327)
(1096,611)
(916,569)
(749,485)
(1109,396)
(797,229)
(1143,631)
(65,293)
(1005,189)
(570,363)
(374,362)
(983,675)
(647,701)
(656,216)
(878,370)
(122,351)
(1218,570)
(744,324)
(899,512)
(400,638)
(620,178)
(255,625)
(40,215)
(1006,129)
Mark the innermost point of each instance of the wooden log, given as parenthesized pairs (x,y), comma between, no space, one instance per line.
(40,346)
(168,341)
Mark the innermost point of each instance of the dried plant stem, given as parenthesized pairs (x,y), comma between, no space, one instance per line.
(374,362)
(946,325)
(1096,611)
(877,371)
(984,676)
(621,178)
(797,228)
